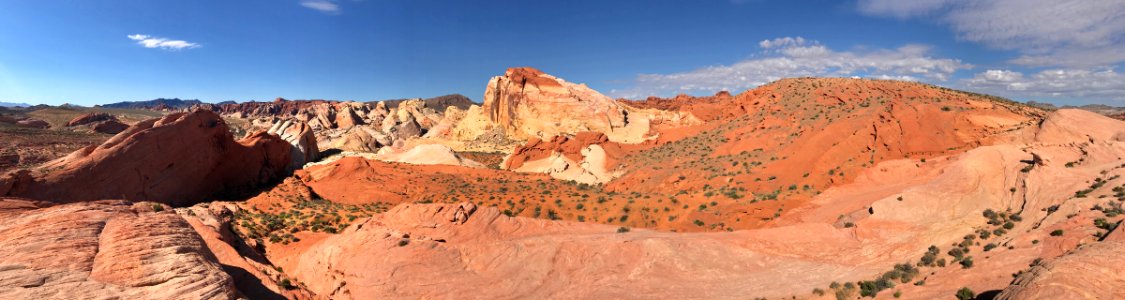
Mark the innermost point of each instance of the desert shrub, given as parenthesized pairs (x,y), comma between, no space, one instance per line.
(930,257)
(965,294)
(989,213)
(956,253)
(622,229)
(1057,232)
(967,262)
(870,288)
(286,284)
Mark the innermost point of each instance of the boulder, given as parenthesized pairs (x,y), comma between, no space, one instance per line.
(362,139)
(407,129)
(347,118)
(300,135)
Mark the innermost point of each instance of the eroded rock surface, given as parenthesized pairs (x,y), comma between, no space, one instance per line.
(104,250)
(179,159)
(587,157)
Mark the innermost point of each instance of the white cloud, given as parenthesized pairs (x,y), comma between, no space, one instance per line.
(156,42)
(325,6)
(782,42)
(1062,84)
(1061,33)
(797,57)
(901,9)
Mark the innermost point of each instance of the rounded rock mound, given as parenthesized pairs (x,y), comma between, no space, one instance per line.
(179,159)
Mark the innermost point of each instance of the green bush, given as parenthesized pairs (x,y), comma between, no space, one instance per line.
(967,262)
(286,284)
(965,294)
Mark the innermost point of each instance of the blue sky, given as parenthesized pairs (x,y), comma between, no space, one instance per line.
(91,52)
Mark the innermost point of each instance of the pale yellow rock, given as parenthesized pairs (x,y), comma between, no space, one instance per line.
(426,154)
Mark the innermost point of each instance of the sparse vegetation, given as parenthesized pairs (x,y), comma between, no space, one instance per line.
(965,294)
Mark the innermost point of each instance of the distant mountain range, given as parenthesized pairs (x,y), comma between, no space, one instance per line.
(12,104)
(438,103)
(173,103)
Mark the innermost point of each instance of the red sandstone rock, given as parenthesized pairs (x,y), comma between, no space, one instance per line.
(569,146)
(1091,272)
(110,127)
(180,159)
(33,123)
(104,250)
(89,118)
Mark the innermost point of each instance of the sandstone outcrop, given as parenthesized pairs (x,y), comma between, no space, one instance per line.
(110,127)
(179,159)
(300,135)
(99,122)
(362,139)
(33,123)
(89,118)
(250,271)
(348,126)
(1091,272)
(104,250)
(528,103)
(1076,126)
(587,157)
(438,103)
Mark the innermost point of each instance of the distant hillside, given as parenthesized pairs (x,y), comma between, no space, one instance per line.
(438,103)
(174,103)
(12,104)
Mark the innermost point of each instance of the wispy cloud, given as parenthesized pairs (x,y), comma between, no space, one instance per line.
(797,57)
(325,6)
(1096,84)
(162,43)
(1045,33)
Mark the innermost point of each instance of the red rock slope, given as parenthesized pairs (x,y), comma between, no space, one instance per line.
(179,159)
